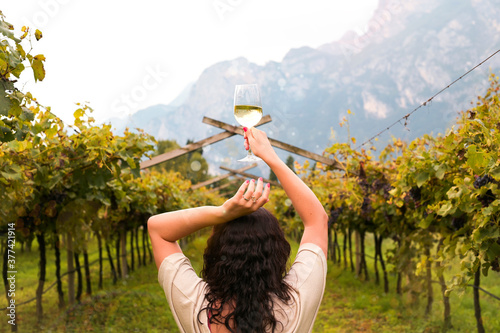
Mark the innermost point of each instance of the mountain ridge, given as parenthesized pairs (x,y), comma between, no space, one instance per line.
(407,53)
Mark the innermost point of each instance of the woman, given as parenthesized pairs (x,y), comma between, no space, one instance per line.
(244,285)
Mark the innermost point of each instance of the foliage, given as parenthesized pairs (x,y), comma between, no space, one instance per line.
(453,183)
(192,165)
(18,109)
(139,303)
(436,199)
(64,185)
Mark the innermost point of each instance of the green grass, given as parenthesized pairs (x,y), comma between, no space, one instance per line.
(137,304)
(353,305)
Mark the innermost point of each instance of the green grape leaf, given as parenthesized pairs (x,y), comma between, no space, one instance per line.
(131,162)
(426,222)
(27,115)
(440,171)
(79,113)
(454,192)
(15,108)
(21,134)
(475,158)
(446,209)
(421,178)
(449,141)
(4,29)
(38,68)
(6,135)
(493,251)
(18,70)
(5,101)
(136,172)
(495,173)
(38,34)
(3,66)
(12,175)
(51,132)
(483,233)
(20,50)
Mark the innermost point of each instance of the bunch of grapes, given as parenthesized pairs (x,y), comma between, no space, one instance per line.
(378,184)
(495,264)
(366,207)
(387,189)
(363,183)
(415,194)
(381,184)
(458,223)
(290,212)
(334,215)
(482,181)
(461,154)
(59,197)
(487,198)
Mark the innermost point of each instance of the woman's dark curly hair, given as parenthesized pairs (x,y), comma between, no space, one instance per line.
(244,265)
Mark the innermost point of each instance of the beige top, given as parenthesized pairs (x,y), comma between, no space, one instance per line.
(185,291)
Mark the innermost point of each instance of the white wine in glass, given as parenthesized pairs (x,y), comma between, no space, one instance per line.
(247,110)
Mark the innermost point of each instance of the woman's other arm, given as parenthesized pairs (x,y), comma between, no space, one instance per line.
(306,203)
(165,229)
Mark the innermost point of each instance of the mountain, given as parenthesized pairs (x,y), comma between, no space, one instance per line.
(409,51)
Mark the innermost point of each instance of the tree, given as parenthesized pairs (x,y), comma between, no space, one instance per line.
(191,165)
(290,162)
(17,112)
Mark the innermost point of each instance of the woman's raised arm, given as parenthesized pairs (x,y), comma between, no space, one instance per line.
(305,202)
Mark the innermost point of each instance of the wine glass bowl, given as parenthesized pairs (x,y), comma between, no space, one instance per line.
(247,110)
(247,115)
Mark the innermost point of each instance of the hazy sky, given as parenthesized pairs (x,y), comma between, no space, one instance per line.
(123,56)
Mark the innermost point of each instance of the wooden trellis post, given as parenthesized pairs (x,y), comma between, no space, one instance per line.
(230,130)
(232,182)
(276,143)
(219,178)
(248,175)
(196,145)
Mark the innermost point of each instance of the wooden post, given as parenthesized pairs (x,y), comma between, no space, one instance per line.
(248,175)
(232,182)
(277,144)
(231,130)
(197,145)
(123,254)
(219,178)
(71,269)
(357,241)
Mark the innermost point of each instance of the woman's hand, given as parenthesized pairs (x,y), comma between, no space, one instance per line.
(258,141)
(250,196)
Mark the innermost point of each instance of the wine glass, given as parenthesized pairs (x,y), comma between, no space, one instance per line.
(247,111)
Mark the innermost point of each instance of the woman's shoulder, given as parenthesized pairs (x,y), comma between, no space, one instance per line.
(309,267)
(184,289)
(176,269)
(311,250)
(310,247)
